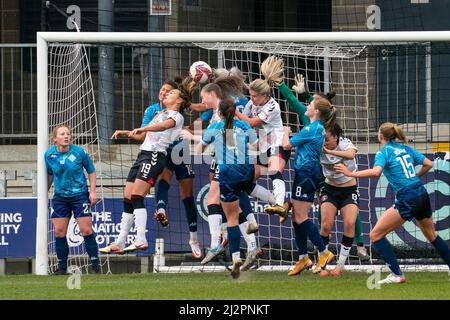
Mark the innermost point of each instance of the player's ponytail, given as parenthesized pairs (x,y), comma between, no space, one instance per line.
(327,112)
(228,111)
(272,69)
(390,131)
(186,88)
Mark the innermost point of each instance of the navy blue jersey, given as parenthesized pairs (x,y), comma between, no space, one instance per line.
(231,158)
(67,170)
(398,162)
(309,143)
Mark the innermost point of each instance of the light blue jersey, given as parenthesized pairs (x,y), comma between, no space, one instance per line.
(67,171)
(309,143)
(239,103)
(236,158)
(398,162)
(150,113)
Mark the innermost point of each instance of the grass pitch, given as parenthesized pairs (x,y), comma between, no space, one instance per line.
(255,285)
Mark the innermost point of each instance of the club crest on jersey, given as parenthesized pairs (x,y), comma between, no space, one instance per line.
(72,158)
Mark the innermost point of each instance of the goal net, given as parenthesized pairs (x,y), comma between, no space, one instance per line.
(71,102)
(375,81)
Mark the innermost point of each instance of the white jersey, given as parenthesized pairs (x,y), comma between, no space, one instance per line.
(160,141)
(328,161)
(271,132)
(215,117)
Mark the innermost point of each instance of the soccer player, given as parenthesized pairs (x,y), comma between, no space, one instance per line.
(184,174)
(162,131)
(397,162)
(231,138)
(212,95)
(65,163)
(339,193)
(275,67)
(263,112)
(309,143)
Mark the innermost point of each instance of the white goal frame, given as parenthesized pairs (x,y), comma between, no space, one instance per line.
(43,38)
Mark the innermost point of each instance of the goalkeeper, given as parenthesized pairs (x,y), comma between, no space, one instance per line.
(65,163)
(277,67)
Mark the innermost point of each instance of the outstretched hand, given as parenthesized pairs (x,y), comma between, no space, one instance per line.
(134,132)
(299,86)
(119,133)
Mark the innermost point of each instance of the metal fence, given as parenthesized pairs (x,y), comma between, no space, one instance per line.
(17,93)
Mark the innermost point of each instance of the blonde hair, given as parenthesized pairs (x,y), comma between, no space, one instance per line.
(272,69)
(326,110)
(260,86)
(55,131)
(390,131)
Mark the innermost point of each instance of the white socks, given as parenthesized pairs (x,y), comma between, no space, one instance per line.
(279,190)
(141,223)
(251,218)
(215,229)
(250,239)
(343,254)
(263,194)
(125,226)
(193,236)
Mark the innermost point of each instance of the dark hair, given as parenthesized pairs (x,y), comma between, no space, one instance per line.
(171,83)
(228,110)
(186,89)
(336,131)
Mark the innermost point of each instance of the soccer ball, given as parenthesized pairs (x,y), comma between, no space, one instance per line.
(200,71)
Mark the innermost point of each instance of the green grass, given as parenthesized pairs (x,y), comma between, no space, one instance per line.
(200,286)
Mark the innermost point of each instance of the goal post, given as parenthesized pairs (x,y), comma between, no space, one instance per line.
(267,43)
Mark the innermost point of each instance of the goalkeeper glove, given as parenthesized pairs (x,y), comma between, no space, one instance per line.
(299,86)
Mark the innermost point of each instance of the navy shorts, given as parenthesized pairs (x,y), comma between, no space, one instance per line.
(80,206)
(304,188)
(230,192)
(182,170)
(418,207)
(235,180)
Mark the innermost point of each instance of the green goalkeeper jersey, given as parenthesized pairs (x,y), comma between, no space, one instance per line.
(294,104)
